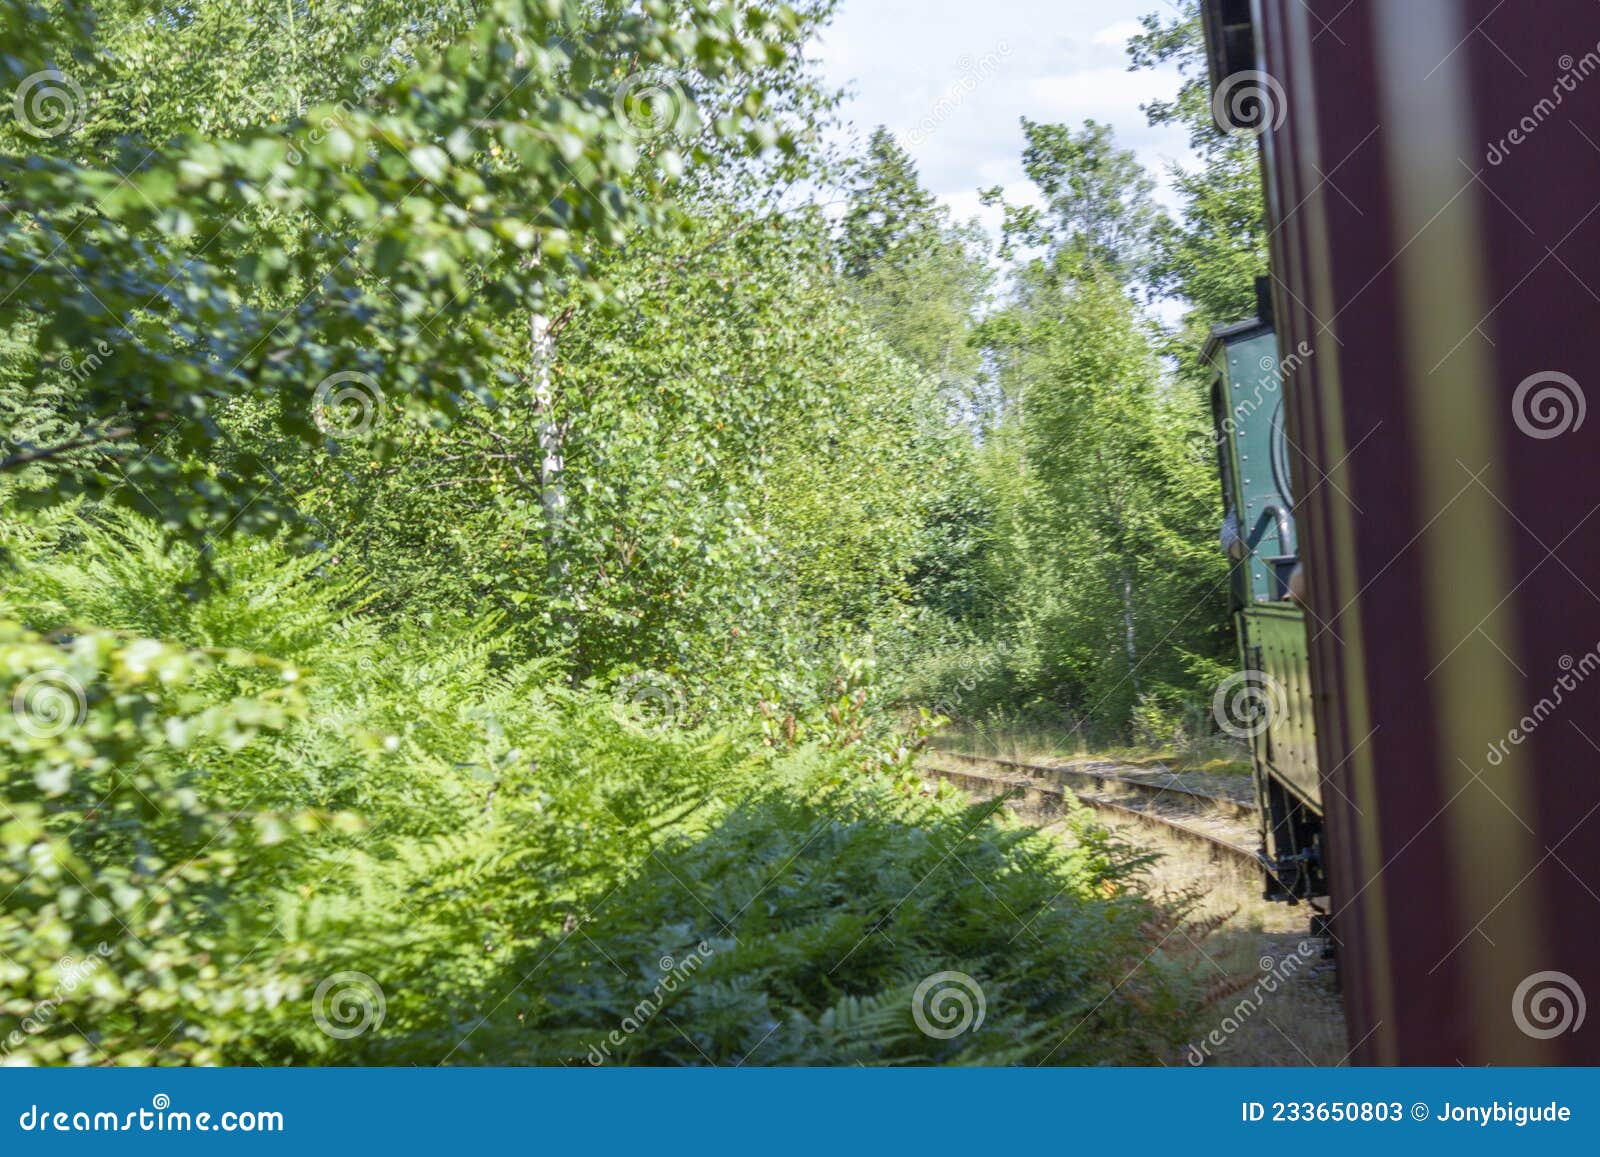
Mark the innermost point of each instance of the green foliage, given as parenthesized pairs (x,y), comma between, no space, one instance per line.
(1105,531)
(1211,258)
(891,217)
(297,266)
(209,841)
(920,278)
(468,535)
(1091,570)
(826,909)
(1099,205)
(341,345)
(735,447)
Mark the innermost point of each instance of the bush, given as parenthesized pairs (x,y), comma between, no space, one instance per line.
(256,827)
(820,911)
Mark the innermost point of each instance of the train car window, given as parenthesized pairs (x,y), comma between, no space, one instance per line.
(1219,430)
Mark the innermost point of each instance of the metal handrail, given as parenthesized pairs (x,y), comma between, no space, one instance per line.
(1273,513)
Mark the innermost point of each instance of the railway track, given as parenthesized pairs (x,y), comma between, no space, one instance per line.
(1101,776)
(1224,825)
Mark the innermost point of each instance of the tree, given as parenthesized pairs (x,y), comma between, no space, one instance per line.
(1212,257)
(1110,526)
(297,271)
(1099,587)
(892,221)
(921,278)
(922,282)
(1099,204)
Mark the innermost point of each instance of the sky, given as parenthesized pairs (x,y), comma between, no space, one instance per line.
(992,62)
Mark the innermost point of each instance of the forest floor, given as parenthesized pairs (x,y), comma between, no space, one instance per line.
(1279,1001)
(1274,996)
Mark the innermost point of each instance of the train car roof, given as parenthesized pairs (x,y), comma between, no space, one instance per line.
(1221,334)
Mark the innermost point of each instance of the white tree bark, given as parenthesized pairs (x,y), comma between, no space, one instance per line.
(552,464)
(1128,631)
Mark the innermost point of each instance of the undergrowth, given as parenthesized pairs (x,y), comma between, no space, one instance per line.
(266,826)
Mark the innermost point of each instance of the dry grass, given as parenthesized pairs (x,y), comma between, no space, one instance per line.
(1287,1013)
(1218,756)
(1301,1020)
(1014,741)
(1301,1023)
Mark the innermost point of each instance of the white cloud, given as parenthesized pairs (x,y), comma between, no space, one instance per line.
(964,206)
(902,57)
(1102,93)
(1117,35)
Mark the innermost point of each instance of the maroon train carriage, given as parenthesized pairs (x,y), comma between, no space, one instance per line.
(1433,179)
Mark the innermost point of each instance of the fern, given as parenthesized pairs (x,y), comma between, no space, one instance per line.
(270,788)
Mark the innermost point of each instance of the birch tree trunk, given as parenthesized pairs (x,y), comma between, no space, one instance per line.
(1127,625)
(552,464)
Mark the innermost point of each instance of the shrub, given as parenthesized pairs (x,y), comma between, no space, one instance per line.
(259,827)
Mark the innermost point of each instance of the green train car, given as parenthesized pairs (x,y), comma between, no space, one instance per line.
(1269,702)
